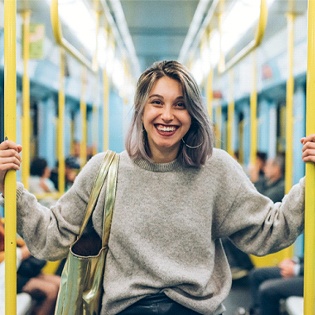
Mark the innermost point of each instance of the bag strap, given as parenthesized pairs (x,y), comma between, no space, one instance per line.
(110,199)
(108,159)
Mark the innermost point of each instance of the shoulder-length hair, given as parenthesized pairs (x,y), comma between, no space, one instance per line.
(197,144)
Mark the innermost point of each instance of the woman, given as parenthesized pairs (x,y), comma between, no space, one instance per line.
(176,197)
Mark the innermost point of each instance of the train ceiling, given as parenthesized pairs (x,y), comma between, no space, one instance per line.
(158,29)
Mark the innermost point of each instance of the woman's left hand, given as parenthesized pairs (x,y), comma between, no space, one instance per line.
(308,150)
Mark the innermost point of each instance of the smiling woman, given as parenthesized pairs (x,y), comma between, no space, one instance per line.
(174,203)
(165,120)
(170,119)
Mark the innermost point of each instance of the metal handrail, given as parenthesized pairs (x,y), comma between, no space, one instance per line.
(61,41)
(309,274)
(26,117)
(54,195)
(10,132)
(260,31)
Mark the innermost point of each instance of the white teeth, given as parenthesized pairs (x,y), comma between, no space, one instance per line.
(166,128)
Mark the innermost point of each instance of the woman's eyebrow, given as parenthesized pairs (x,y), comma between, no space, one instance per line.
(181,97)
(155,95)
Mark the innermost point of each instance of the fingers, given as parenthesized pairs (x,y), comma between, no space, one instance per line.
(7,144)
(308,149)
(9,156)
(310,138)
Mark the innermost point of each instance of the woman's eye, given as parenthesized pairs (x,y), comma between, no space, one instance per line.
(181,105)
(156,102)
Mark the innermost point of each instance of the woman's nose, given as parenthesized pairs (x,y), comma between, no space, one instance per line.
(167,113)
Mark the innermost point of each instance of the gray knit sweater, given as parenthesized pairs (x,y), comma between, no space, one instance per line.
(166,229)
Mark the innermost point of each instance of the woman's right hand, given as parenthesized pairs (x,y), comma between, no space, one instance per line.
(9,159)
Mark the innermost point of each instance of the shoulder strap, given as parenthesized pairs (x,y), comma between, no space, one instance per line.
(109,156)
(110,199)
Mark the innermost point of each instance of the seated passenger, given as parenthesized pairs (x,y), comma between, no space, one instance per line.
(39,182)
(240,262)
(257,171)
(268,178)
(271,284)
(272,183)
(71,171)
(23,300)
(43,288)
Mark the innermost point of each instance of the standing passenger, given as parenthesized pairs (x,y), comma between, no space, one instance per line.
(176,198)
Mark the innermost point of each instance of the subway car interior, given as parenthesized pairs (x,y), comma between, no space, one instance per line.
(77,63)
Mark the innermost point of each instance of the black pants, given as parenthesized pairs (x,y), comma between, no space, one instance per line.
(158,304)
(268,287)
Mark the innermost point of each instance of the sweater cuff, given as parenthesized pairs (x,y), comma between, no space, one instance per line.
(19,191)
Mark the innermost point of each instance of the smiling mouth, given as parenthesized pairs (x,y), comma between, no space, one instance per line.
(166,129)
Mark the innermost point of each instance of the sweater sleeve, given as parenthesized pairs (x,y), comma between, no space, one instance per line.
(48,233)
(253,222)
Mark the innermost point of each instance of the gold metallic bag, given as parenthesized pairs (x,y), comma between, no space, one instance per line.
(81,286)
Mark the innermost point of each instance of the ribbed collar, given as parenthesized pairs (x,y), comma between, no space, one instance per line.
(158,167)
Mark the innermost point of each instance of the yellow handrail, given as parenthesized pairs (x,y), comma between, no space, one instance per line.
(10,132)
(210,93)
(218,124)
(83,112)
(231,111)
(105,111)
(26,99)
(253,112)
(54,195)
(96,99)
(289,106)
(57,31)
(61,119)
(260,31)
(309,245)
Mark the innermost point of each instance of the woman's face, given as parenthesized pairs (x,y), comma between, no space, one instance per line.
(165,119)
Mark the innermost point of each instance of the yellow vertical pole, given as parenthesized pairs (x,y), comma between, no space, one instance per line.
(288,252)
(83,117)
(96,101)
(231,107)
(253,112)
(10,132)
(61,118)
(26,100)
(221,65)
(106,110)
(309,245)
(218,123)
(95,130)
(210,92)
(289,106)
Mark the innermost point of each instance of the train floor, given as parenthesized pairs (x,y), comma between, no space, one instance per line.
(238,297)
